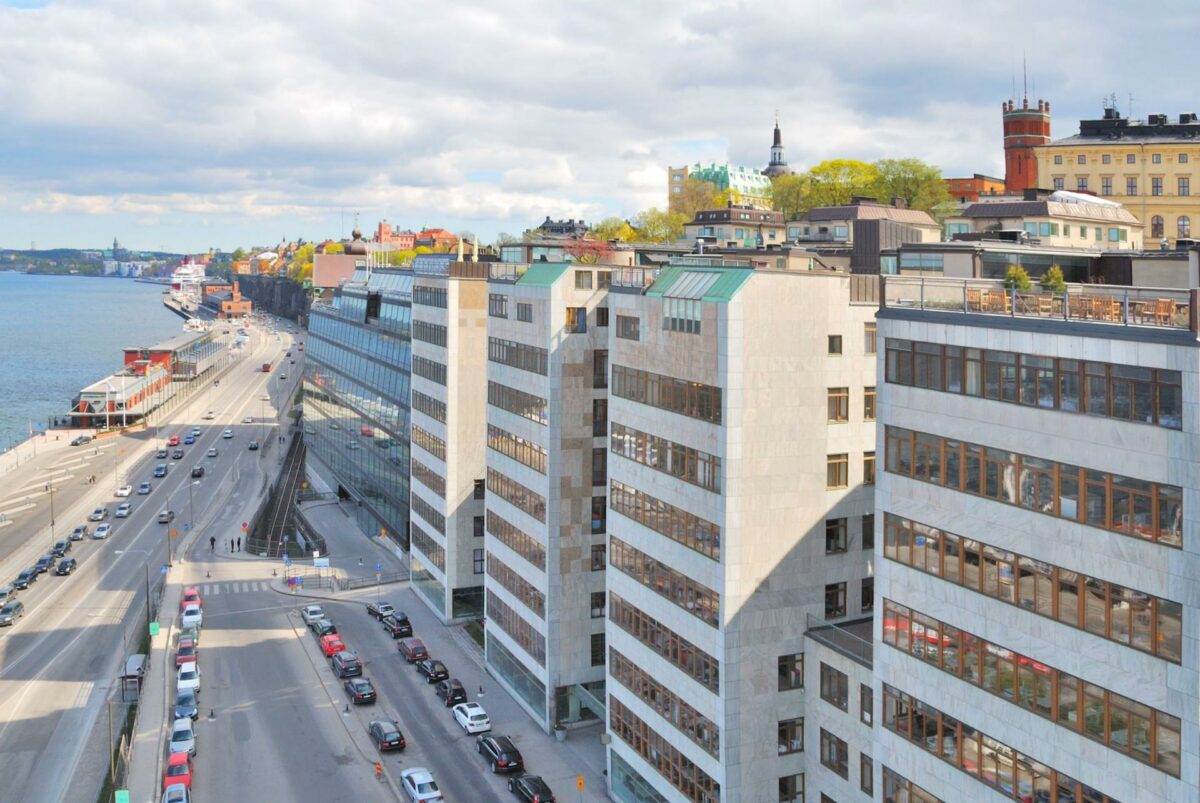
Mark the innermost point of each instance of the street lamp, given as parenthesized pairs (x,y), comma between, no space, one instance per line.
(262,409)
(50,488)
(190,506)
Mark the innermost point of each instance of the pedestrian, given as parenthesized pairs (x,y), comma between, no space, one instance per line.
(212,543)
(230,544)
(239,549)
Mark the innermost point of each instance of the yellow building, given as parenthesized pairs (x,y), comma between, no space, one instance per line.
(1149,166)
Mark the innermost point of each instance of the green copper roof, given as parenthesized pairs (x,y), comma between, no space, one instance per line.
(728,281)
(544,274)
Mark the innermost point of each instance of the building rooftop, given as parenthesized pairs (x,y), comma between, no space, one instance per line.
(699,283)
(851,639)
(177,343)
(869,211)
(1051,208)
(1112,127)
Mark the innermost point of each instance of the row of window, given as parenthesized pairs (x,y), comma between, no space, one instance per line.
(516,585)
(666,703)
(1130,158)
(678,770)
(1129,617)
(432,333)
(517,402)
(664,518)
(1127,726)
(692,399)
(695,598)
(629,327)
(898,789)
(837,538)
(428,547)
(428,477)
(429,369)
(1183,224)
(1146,510)
(684,462)
(519,355)
(524,451)
(429,513)
(681,653)
(509,535)
(517,495)
(429,296)
(991,762)
(428,405)
(837,470)
(1125,392)
(838,402)
(524,634)
(682,315)
(429,442)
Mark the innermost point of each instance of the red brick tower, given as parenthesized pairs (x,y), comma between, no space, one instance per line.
(1023,129)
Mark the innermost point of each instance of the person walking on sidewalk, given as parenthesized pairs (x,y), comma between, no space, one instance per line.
(239,549)
(230,544)
(212,543)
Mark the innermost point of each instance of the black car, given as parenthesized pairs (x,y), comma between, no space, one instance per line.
(500,752)
(530,788)
(197,471)
(397,625)
(61,547)
(386,734)
(433,670)
(360,690)
(79,533)
(25,578)
(161,454)
(44,564)
(345,664)
(185,705)
(323,627)
(254,446)
(177,454)
(451,692)
(80,440)
(65,567)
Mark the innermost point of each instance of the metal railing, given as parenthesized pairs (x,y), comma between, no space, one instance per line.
(840,639)
(346,583)
(1155,307)
(506,271)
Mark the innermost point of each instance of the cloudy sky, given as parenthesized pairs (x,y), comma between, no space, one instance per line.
(184,125)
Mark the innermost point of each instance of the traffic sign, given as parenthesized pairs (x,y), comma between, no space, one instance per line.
(187,525)
(285,539)
(320,563)
(316,553)
(154,628)
(378,568)
(579,782)
(121,796)
(287,561)
(245,524)
(162,569)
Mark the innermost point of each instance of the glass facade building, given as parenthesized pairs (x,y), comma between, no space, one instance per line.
(357,395)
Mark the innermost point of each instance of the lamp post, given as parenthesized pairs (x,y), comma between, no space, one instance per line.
(190,506)
(262,410)
(50,489)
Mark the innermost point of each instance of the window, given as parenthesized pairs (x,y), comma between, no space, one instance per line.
(1184,227)
(839,404)
(791,788)
(697,599)
(1156,186)
(603,279)
(835,600)
(477,526)
(1183,158)
(1105,187)
(835,536)
(1156,158)
(597,649)
(497,305)
(1081,183)
(791,671)
(675,523)
(432,333)
(675,459)
(424,543)
(868,531)
(1156,226)
(517,402)
(477,561)
(866,774)
(692,399)
(1060,183)
(601,316)
(1058,159)
(512,581)
(429,296)
(1130,158)
(868,468)
(517,495)
(599,418)
(1184,187)
(869,403)
(835,344)
(599,557)
(687,720)
(599,514)
(599,465)
(600,368)
(524,312)
(682,315)
(835,687)
(791,736)
(583,280)
(867,594)
(1105,159)
(518,355)
(866,704)
(1114,235)
(479,490)
(517,541)
(660,754)
(834,754)
(869,337)
(837,474)
(1131,185)
(598,605)
(629,327)
(514,447)
(1081,159)
(576,320)
(429,369)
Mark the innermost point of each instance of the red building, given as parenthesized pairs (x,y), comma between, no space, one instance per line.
(224,299)
(1024,129)
(969,189)
(436,238)
(400,240)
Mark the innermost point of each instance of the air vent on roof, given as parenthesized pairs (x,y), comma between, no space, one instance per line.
(1187,117)
(1157,119)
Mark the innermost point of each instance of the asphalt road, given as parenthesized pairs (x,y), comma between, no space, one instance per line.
(59,662)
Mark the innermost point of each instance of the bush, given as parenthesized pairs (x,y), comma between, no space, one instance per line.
(1017,278)
(1053,281)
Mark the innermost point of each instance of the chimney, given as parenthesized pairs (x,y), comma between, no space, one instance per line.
(460,249)
(899,202)
(475,250)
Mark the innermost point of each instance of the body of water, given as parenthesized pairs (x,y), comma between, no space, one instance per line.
(61,333)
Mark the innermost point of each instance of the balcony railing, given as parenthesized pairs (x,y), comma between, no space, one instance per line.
(1154,307)
(636,278)
(841,639)
(506,271)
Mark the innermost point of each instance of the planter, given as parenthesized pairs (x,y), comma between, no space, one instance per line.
(560,733)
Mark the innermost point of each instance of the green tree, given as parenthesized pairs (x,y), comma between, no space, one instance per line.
(653,225)
(693,196)
(919,184)
(836,181)
(613,228)
(1052,280)
(1017,279)
(335,248)
(238,254)
(790,194)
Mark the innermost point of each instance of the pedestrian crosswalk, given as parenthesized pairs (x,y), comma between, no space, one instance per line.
(216,589)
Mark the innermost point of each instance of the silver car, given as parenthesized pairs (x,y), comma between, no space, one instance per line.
(183,737)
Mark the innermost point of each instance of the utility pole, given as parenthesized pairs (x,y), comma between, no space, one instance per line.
(50,488)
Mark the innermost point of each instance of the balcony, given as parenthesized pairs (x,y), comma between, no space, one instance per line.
(1150,307)
(851,639)
(505,271)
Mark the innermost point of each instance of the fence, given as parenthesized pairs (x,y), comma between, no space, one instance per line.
(347,583)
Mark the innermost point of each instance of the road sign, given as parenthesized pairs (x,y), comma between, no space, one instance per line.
(245,524)
(320,563)
(378,568)
(121,796)
(162,569)
(285,539)
(287,561)
(316,553)
(154,628)
(187,526)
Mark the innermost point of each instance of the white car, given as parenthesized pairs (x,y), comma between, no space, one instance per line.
(125,490)
(212,451)
(472,717)
(176,793)
(123,510)
(195,432)
(419,785)
(311,613)
(102,531)
(210,415)
(183,737)
(188,678)
(192,615)
(248,419)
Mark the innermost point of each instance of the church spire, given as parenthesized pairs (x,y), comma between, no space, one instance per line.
(778,165)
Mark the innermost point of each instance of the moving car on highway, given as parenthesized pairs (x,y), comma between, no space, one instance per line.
(102,532)
(80,532)
(11,612)
(145,487)
(123,510)
(125,490)
(99,514)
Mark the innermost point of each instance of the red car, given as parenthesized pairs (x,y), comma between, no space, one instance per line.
(191,596)
(186,652)
(174,441)
(331,644)
(179,770)
(413,650)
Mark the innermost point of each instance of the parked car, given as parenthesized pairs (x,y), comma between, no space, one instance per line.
(197,471)
(11,612)
(345,664)
(188,677)
(531,789)
(25,579)
(323,627)
(99,514)
(79,533)
(419,785)
(44,564)
(177,793)
(185,704)
(397,625)
(166,516)
(145,488)
(185,653)
(61,547)
(179,770)
(433,670)
(192,614)
(125,490)
(500,752)
(472,717)
(183,737)
(386,735)
(102,532)
(191,631)
(80,440)
(160,470)
(191,596)
(360,690)
(331,644)
(123,510)
(451,692)
(310,613)
(379,609)
(65,567)
(413,650)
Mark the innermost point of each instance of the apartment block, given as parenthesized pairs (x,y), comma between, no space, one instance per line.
(1037,555)
(741,458)
(546,476)
(449,403)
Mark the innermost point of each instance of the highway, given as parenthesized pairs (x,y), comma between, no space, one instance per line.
(59,663)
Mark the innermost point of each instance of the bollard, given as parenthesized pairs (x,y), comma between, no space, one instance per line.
(208,575)
(211,714)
